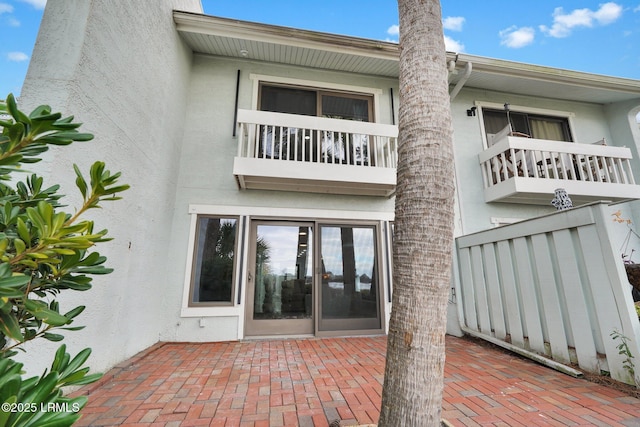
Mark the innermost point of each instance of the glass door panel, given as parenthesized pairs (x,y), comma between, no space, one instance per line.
(350,292)
(280,289)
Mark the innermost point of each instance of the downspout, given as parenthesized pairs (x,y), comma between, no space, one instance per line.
(462,81)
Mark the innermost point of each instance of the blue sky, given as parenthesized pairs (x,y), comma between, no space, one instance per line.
(591,36)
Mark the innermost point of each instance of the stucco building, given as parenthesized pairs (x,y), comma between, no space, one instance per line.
(262,165)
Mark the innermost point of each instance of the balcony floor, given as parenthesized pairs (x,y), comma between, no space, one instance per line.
(282,175)
(538,191)
(316,381)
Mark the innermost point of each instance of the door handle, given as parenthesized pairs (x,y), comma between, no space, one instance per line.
(249,277)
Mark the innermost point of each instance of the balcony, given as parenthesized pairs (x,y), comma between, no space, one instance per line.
(289,152)
(528,170)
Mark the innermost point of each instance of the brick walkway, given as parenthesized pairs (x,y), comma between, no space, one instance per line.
(312,382)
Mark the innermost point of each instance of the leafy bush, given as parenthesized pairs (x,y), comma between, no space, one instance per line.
(43,251)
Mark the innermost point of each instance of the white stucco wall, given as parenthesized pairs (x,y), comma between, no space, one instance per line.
(206,176)
(122,70)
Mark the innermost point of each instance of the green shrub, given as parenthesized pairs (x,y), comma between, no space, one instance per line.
(43,251)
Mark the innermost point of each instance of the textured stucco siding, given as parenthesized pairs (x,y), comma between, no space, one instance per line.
(122,70)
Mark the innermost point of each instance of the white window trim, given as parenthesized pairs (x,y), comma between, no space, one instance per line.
(314,84)
(244,213)
(521,109)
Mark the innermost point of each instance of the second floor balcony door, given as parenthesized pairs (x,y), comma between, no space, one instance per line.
(335,147)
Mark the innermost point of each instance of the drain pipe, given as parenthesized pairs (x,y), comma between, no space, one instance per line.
(522,352)
(462,81)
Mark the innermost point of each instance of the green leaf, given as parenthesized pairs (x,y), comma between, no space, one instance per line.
(19,245)
(10,327)
(41,312)
(23,232)
(76,362)
(80,182)
(52,337)
(17,115)
(75,312)
(60,359)
(11,287)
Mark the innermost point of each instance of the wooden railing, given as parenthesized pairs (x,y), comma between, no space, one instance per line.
(542,159)
(282,137)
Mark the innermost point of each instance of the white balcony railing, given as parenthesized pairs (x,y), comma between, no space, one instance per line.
(526,170)
(315,154)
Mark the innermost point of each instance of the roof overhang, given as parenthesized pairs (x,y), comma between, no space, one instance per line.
(261,42)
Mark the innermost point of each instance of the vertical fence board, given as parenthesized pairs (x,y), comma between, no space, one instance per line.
(608,317)
(493,292)
(530,306)
(576,303)
(510,294)
(482,305)
(468,295)
(550,303)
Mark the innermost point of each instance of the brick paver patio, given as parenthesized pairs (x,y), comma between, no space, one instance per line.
(313,382)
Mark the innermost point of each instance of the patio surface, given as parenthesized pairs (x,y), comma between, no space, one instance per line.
(315,381)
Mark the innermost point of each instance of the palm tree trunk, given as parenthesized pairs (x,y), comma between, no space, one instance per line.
(424,217)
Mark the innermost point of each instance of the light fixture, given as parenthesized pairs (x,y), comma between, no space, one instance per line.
(472,111)
(244,53)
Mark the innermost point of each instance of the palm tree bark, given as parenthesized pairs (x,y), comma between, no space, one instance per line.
(424,218)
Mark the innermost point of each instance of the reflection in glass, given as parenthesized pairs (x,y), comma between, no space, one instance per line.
(349,282)
(283,274)
(213,281)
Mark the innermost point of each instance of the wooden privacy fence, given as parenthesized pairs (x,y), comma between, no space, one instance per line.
(554,286)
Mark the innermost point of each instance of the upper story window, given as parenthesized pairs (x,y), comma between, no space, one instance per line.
(316,102)
(534,125)
(327,145)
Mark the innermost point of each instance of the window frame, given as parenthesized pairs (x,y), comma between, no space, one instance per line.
(194,263)
(320,93)
(374,93)
(246,214)
(530,111)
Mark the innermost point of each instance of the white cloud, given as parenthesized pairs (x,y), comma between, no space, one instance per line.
(393,30)
(453,23)
(38,4)
(17,56)
(452,45)
(637,9)
(5,8)
(516,38)
(564,23)
(13,22)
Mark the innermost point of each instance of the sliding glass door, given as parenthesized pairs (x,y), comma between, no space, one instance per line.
(302,284)
(280,285)
(349,297)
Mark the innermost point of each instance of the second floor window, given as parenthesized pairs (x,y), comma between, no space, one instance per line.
(323,145)
(315,102)
(534,125)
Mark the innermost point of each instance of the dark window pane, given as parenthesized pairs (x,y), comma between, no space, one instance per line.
(339,107)
(495,121)
(288,100)
(536,126)
(215,250)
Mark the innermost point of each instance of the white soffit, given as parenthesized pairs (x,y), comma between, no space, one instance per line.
(261,42)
